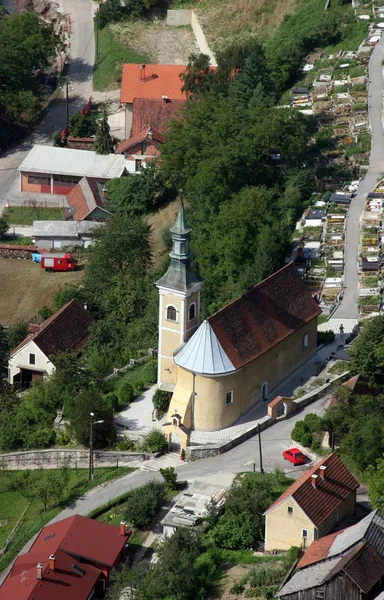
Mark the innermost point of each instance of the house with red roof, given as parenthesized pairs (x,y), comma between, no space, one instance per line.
(72,559)
(150,82)
(312,506)
(219,369)
(66,330)
(140,149)
(86,201)
(346,564)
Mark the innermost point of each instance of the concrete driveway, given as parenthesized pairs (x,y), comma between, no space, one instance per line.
(80,78)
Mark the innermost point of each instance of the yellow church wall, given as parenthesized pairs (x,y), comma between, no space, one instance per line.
(167,370)
(171,299)
(170,340)
(283,530)
(210,410)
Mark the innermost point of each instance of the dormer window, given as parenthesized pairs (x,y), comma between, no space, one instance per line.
(171,314)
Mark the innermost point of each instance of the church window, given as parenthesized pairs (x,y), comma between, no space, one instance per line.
(228,398)
(171,313)
(192,311)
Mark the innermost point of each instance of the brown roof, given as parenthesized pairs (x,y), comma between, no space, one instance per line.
(64,330)
(264,316)
(155,113)
(278,399)
(148,134)
(363,565)
(84,198)
(154,81)
(321,501)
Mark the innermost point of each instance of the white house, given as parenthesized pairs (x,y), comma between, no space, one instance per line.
(66,330)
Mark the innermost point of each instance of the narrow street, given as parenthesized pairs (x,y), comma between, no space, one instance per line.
(348,307)
(80,80)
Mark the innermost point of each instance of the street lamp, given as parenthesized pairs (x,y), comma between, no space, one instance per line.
(92,423)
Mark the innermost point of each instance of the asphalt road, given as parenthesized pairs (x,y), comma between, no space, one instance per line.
(348,307)
(80,78)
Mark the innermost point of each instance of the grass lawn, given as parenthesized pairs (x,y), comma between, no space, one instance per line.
(25,215)
(12,504)
(132,376)
(19,241)
(322,319)
(112,54)
(26,287)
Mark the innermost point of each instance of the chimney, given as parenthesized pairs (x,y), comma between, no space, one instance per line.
(122,528)
(322,472)
(165,99)
(314,480)
(52,560)
(142,73)
(39,570)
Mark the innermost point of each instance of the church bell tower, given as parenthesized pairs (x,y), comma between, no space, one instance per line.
(179,301)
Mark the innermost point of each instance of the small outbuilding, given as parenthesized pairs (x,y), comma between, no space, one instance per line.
(51,170)
(64,234)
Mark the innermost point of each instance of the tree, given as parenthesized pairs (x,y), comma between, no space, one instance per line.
(367,352)
(198,77)
(17,333)
(103,142)
(375,475)
(127,578)
(4,228)
(45,312)
(170,477)
(83,125)
(48,487)
(143,503)
(125,392)
(92,400)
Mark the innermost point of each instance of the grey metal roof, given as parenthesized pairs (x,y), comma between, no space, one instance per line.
(310,577)
(79,163)
(204,354)
(64,228)
(380,596)
(351,535)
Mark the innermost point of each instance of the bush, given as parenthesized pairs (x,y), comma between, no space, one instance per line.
(126,445)
(237,589)
(40,438)
(170,477)
(313,422)
(150,372)
(4,227)
(306,440)
(161,402)
(298,431)
(155,441)
(143,503)
(125,392)
(56,138)
(113,400)
(140,386)
(325,337)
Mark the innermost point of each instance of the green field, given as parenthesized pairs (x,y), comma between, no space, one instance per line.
(12,504)
(112,54)
(25,215)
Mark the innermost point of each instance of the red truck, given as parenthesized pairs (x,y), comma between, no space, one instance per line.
(58,262)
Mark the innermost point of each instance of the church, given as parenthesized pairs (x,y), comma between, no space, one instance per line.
(217,370)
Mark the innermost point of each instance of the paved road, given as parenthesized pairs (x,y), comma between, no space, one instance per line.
(80,77)
(348,306)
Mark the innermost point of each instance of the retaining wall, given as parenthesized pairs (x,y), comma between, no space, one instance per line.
(189,17)
(54,459)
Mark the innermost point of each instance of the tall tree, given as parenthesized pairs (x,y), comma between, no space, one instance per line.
(103,142)
(198,77)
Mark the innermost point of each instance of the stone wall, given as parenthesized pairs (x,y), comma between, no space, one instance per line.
(15,251)
(54,459)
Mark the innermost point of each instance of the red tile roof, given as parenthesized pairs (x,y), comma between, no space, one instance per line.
(84,198)
(155,113)
(321,501)
(63,583)
(318,550)
(278,399)
(82,537)
(149,135)
(65,330)
(157,81)
(264,316)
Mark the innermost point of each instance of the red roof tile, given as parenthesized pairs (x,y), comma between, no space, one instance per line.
(321,501)
(155,113)
(63,583)
(84,198)
(264,316)
(149,135)
(64,330)
(318,550)
(83,537)
(157,81)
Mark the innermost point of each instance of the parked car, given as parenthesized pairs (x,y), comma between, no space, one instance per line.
(295,456)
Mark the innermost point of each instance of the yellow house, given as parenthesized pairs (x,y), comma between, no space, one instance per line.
(220,369)
(312,506)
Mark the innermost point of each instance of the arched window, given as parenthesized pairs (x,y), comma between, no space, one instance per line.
(171,313)
(264,391)
(192,312)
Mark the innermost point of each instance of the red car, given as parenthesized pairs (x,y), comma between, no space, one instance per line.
(295,456)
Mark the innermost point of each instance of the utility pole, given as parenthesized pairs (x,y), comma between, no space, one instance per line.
(260,453)
(90,469)
(66,107)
